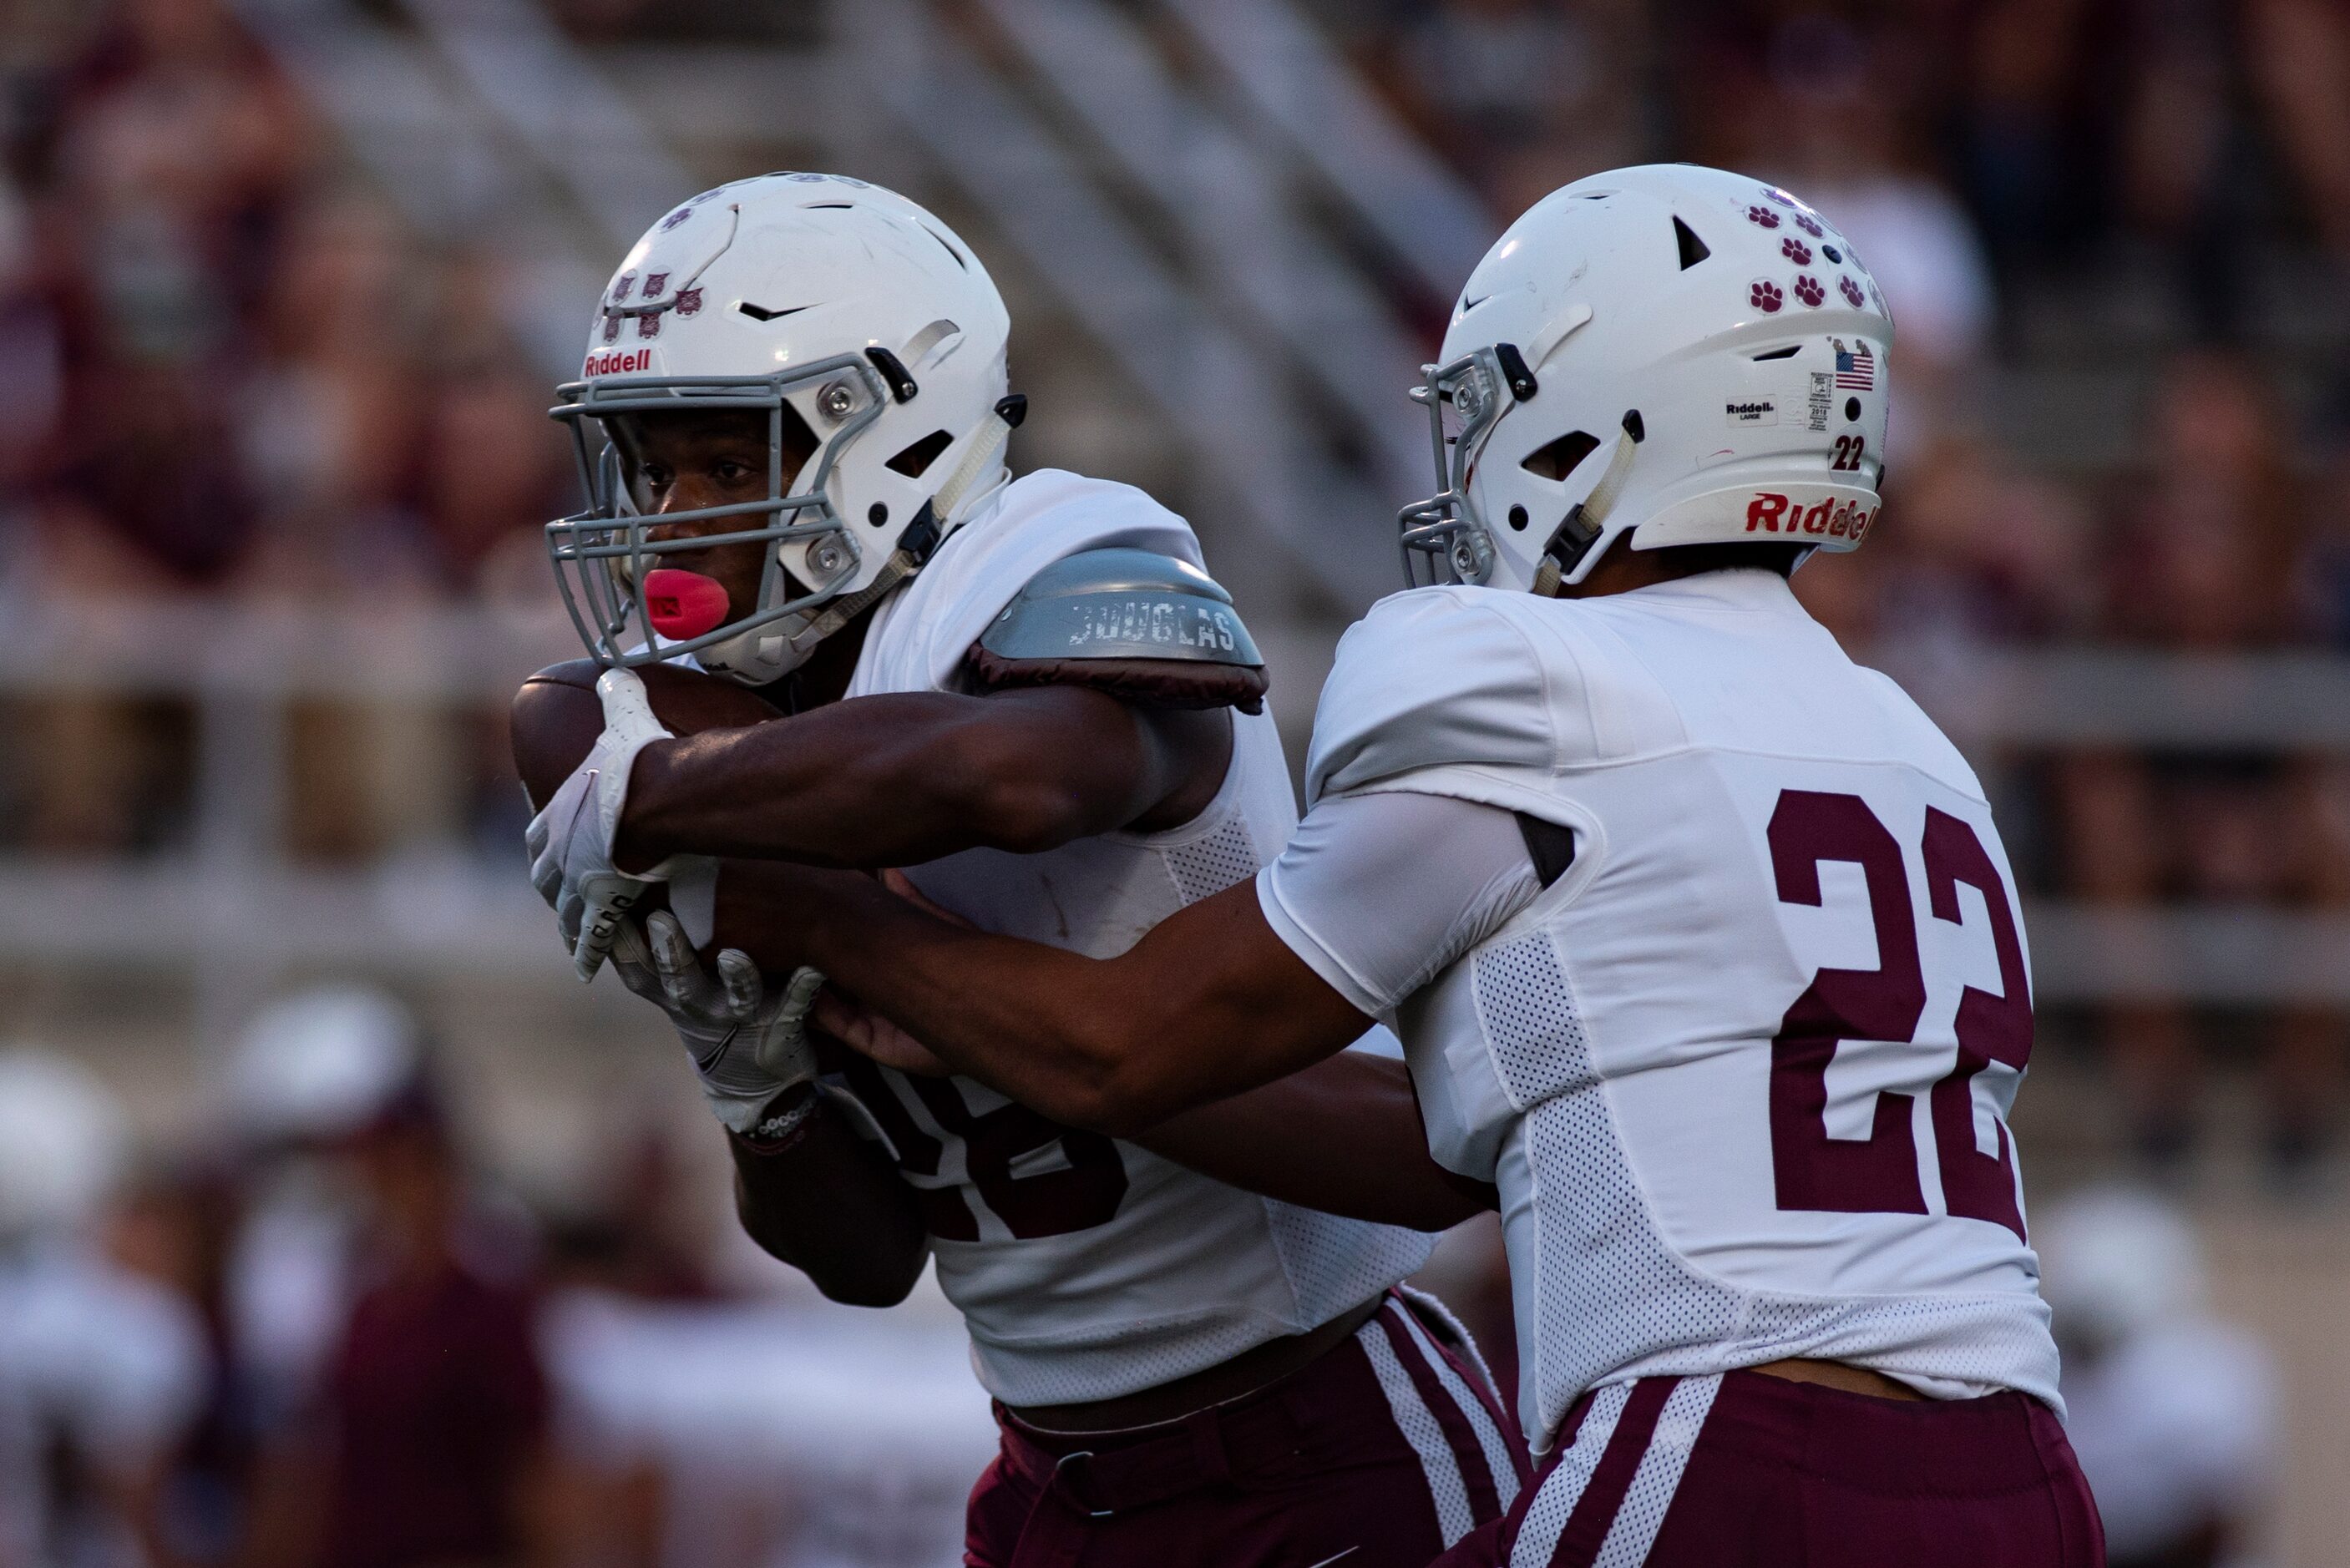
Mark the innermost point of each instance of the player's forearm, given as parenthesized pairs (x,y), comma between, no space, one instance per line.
(830,1203)
(1067,1035)
(890,779)
(1206,1005)
(1344,1136)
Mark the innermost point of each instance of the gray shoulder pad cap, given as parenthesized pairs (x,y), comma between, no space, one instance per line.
(1122,604)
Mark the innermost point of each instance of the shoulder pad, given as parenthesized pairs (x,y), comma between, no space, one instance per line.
(1435,678)
(1149,627)
(1122,604)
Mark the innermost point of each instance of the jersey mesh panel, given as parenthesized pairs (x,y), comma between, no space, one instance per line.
(1617,1301)
(1333,1263)
(1208,866)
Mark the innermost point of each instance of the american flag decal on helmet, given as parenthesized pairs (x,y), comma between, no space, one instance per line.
(1856,368)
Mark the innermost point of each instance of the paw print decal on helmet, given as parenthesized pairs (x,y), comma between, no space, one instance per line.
(1809,225)
(1764,296)
(1851,292)
(1763,215)
(1772,193)
(1809,290)
(1795,251)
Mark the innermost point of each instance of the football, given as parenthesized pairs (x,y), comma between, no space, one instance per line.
(556,715)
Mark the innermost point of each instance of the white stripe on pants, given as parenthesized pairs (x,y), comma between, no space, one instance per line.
(1561,1489)
(1641,1512)
(1490,1439)
(1421,1429)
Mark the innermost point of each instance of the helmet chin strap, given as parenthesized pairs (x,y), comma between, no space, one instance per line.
(918,543)
(1574,535)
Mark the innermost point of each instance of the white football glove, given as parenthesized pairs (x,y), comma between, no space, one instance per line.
(570,843)
(746,1047)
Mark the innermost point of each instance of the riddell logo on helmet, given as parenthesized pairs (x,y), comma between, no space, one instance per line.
(617,362)
(1770,512)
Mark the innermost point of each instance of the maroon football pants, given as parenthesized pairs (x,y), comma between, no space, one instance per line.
(1752,1471)
(1379,1454)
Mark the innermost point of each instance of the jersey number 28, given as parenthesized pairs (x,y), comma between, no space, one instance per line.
(1879,1173)
(1039,1177)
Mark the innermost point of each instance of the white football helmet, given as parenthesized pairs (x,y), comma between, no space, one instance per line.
(321,1062)
(1686,353)
(63,1143)
(822,300)
(2119,1261)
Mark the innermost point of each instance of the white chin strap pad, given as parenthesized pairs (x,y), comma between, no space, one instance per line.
(1591,515)
(993,433)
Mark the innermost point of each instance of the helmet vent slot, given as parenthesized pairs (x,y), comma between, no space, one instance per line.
(1557,458)
(761,313)
(1693,250)
(918,347)
(827,206)
(1789,352)
(946,248)
(918,457)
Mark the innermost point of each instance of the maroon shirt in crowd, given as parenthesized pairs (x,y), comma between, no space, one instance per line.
(439,1403)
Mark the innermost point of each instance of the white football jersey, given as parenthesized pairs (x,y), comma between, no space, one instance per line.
(1742,1072)
(1086,1267)
(106,1364)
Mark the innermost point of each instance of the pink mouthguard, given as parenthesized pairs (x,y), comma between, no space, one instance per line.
(683,605)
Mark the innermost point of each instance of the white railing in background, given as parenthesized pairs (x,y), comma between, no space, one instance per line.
(547,91)
(231,897)
(409,114)
(427,148)
(494,129)
(2088,696)
(228,909)
(1221,396)
(1294,82)
(1243,229)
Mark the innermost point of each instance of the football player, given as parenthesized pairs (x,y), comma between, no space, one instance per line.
(1030,693)
(1699,936)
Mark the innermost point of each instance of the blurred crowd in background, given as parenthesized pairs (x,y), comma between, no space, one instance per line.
(331,1338)
(230,375)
